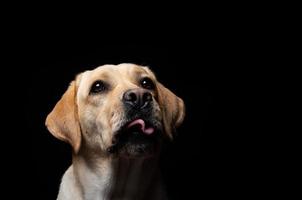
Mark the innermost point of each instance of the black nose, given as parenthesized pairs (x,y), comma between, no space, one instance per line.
(139,98)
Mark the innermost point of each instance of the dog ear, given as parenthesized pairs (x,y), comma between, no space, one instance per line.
(172,107)
(63,122)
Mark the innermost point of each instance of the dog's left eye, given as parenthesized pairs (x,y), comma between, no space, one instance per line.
(97,87)
(147,83)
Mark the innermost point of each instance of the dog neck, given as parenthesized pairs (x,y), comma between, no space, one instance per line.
(105,177)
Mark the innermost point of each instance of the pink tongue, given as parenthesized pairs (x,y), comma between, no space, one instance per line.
(142,125)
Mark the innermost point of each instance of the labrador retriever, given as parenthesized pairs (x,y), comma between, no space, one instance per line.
(115,117)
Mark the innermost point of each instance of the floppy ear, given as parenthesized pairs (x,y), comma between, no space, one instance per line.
(63,121)
(173,109)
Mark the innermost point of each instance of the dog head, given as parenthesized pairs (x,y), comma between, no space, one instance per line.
(116,110)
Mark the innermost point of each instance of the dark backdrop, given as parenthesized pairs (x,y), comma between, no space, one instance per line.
(189,158)
(217,151)
(223,66)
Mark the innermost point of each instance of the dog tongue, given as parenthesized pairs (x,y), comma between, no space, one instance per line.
(141,123)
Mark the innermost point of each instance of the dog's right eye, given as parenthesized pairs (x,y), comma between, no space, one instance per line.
(97,87)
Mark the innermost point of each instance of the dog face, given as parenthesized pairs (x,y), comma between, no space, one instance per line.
(116,110)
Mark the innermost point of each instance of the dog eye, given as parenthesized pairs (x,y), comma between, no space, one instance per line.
(147,83)
(98,86)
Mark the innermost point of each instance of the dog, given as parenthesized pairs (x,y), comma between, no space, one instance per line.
(115,118)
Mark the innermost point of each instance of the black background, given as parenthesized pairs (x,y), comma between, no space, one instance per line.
(181,159)
(223,66)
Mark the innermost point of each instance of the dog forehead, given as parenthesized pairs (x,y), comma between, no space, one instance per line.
(116,72)
(121,70)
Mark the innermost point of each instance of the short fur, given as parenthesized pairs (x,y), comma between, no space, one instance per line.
(90,123)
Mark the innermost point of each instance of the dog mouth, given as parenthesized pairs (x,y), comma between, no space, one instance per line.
(135,138)
(140,125)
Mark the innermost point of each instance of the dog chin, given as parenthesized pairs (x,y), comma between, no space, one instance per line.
(136,138)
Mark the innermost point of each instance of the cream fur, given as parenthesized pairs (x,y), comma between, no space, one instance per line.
(88,123)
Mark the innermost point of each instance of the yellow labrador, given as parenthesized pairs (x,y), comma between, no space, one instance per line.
(115,118)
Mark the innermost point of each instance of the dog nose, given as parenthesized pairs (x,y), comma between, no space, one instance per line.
(138,98)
